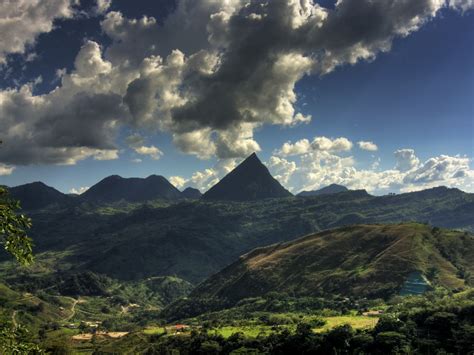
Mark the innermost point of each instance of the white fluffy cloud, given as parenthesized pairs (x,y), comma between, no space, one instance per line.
(321,144)
(6,170)
(102,6)
(463,5)
(177,181)
(406,159)
(21,21)
(210,75)
(366,145)
(137,143)
(79,190)
(152,151)
(312,169)
(205,179)
(281,169)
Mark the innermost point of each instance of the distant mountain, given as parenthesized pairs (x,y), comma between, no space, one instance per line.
(191,193)
(365,261)
(251,180)
(331,189)
(37,195)
(115,188)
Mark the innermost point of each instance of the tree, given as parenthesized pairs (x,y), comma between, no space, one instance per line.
(13,227)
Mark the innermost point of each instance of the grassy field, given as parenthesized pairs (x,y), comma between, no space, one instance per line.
(356,322)
(248,331)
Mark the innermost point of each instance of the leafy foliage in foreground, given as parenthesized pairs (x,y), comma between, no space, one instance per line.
(13,228)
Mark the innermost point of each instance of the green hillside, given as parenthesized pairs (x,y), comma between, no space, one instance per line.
(370,261)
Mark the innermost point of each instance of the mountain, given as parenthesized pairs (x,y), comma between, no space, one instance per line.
(364,261)
(251,180)
(115,188)
(37,195)
(331,189)
(191,193)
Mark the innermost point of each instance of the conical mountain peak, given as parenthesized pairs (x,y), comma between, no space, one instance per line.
(251,180)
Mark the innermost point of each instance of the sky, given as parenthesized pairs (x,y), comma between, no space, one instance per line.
(370,95)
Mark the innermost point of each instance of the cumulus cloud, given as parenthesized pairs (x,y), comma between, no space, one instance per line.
(299,166)
(406,159)
(79,190)
(177,181)
(300,147)
(21,22)
(369,146)
(463,5)
(322,144)
(210,75)
(205,179)
(102,6)
(151,151)
(136,142)
(281,169)
(6,170)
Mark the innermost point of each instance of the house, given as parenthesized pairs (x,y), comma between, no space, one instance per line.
(181,328)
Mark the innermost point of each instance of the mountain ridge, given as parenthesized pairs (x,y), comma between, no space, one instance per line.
(115,188)
(330,189)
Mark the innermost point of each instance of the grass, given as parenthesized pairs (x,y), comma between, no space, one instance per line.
(154,330)
(248,331)
(356,322)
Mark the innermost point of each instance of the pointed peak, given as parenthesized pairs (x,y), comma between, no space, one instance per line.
(252,159)
(250,180)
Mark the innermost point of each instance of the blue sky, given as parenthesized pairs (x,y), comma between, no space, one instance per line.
(415,98)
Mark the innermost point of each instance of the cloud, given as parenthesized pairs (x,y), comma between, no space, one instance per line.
(79,190)
(22,21)
(205,179)
(6,169)
(102,6)
(281,169)
(406,159)
(242,73)
(76,121)
(136,142)
(312,165)
(210,75)
(177,181)
(331,145)
(463,5)
(322,144)
(151,151)
(300,147)
(369,146)
(441,168)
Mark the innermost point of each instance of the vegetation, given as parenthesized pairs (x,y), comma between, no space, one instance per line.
(438,322)
(13,228)
(118,277)
(134,242)
(373,261)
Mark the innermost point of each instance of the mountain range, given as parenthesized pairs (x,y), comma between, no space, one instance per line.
(132,229)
